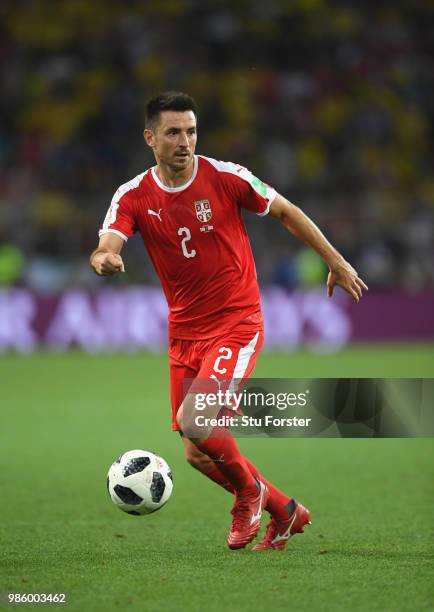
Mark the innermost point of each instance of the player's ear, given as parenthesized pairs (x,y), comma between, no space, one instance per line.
(149,137)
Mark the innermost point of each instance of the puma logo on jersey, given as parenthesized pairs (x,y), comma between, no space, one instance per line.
(219,382)
(156,214)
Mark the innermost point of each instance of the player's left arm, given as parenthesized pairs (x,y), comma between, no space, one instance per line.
(298,223)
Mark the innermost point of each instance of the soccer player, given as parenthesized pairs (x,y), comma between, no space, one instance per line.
(187,209)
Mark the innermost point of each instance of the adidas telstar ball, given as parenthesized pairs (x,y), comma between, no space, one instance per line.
(139,482)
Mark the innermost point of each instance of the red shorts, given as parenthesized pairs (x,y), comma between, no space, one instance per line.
(231,356)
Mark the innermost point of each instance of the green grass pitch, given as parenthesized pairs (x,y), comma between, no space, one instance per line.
(65,418)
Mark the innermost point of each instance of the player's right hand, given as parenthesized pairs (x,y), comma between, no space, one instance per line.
(344,275)
(106,264)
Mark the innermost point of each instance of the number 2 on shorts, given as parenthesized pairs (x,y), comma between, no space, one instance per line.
(226,354)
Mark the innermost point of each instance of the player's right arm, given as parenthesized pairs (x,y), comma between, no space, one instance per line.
(106,259)
(119,224)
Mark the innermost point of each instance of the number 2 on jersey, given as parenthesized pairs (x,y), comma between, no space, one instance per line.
(184,231)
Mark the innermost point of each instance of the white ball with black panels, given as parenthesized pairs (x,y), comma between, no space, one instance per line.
(139,482)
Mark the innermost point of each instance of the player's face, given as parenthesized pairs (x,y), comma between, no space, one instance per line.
(174,139)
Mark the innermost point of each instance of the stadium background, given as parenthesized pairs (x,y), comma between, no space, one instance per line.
(332,104)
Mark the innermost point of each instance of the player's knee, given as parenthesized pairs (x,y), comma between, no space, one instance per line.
(185,418)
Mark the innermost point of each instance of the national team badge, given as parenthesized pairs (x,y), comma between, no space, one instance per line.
(203,210)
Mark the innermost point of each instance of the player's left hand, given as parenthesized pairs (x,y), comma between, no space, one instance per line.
(344,275)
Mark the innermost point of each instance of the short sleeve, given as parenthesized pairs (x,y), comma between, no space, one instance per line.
(120,217)
(251,193)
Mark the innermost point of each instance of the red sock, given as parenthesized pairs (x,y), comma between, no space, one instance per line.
(217,476)
(278,502)
(225,452)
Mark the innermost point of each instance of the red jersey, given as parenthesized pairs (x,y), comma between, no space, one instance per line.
(197,241)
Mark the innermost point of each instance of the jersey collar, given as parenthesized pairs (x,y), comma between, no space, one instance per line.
(175,189)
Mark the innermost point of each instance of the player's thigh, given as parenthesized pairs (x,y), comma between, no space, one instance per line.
(178,375)
(183,365)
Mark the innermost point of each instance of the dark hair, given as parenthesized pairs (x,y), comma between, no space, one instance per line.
(168,101)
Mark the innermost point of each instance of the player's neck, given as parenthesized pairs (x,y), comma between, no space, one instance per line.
(174,178)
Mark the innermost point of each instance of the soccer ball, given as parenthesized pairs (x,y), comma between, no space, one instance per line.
(139,482)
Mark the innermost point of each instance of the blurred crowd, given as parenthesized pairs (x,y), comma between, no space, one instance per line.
(330,102)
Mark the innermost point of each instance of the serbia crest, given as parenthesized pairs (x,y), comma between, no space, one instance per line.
(203,210)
